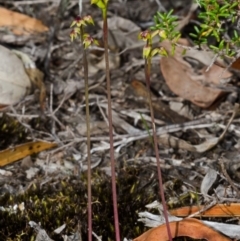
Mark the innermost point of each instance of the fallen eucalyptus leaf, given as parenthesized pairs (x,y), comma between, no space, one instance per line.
(13,154)
(188,227)
(193,83)
(20,24)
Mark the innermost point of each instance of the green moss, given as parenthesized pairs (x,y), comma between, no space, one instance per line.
(11,131)
(65,201)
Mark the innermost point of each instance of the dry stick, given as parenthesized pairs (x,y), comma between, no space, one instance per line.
(160,181)
(114,192)
(224,171)
(85,67)
(210,205)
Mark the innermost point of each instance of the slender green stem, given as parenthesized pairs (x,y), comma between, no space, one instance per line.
(114,191)
(85,67)
(160,180)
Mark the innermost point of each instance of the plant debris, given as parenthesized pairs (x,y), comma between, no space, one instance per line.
(198,137)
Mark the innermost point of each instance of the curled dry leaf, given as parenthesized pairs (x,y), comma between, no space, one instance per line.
(188,227)
(18,74)
(20,24)
(218,210)
(18,152)
(35,76)
(208,181)
(14,82)
(194,84)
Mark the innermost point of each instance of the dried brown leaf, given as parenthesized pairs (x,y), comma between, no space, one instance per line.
(198,86)
(188,227)
(219,210)
(18,152)
(20,24)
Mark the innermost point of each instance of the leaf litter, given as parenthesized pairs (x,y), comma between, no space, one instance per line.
(191,146)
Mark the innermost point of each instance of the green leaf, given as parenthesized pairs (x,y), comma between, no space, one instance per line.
(234,4)
(196,29)
(204,41)
(226,15)
(221,44)
(173,49)
(154,52)
(211,14)
(236,34)
(176,38)
(170,13)
(163,52)
(193,35)
(224,7)
(146,52)
(227,47)
(204,26)
(214,47)
(160,15)
(233,19)
(216,35)
(100,3)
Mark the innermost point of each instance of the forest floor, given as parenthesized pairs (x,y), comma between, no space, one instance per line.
(195,171)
